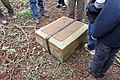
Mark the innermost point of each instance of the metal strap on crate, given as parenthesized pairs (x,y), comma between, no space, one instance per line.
(54,32)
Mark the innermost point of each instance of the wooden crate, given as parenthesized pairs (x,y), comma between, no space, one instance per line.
(64,42)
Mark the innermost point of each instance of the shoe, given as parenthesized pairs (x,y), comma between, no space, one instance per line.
(64,7)
(83,20)
(14,16)
(37,21)
(92,52)
(45,14)
(91,77)
(101,75)
(90,73)
(3,21)
(58,5)
(78,19)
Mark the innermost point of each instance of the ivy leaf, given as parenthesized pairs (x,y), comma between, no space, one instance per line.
(11,51)
(25,13)
(5,48)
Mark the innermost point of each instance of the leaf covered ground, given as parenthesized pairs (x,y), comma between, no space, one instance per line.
(22,58)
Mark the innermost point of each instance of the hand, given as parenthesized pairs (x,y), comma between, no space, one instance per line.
(93,38)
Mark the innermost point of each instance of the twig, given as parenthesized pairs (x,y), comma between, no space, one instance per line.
(21,27)
(12,73)
(3,35)
(9,27)
(21,30)
(116,64)
(118,60)
(27,26)
(118,56)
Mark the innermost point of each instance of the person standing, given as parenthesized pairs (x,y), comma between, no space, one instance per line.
(35,11)
(80,9)
(6,3)
(92,10)
(107,33)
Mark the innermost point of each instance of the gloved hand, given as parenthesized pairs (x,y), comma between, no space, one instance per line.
(99,3)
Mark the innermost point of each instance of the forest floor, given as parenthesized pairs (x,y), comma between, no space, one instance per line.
(22,58)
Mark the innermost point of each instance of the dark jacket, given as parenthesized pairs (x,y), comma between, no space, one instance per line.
(91,11)
(107,24)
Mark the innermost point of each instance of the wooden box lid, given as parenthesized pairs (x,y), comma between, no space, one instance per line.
(65,36)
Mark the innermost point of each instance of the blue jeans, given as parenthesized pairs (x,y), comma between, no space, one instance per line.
(91,42)
(34,8)
(103,59)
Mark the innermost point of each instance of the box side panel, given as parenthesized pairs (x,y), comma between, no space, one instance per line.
(55,51)
(70,49)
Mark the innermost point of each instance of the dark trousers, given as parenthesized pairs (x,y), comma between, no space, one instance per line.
(61,2)
(6,3)
(103,59)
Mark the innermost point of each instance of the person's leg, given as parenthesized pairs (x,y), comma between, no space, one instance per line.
(91,43)
(1,15)
(63,3)
(59,1)
(58,4)
(34,10)
(80,9)
(8,6)
(71,8)
(2,19)
(42,9)
(100,58)
(109,61)
(41,6)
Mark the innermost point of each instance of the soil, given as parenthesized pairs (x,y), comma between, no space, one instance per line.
(22,58)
